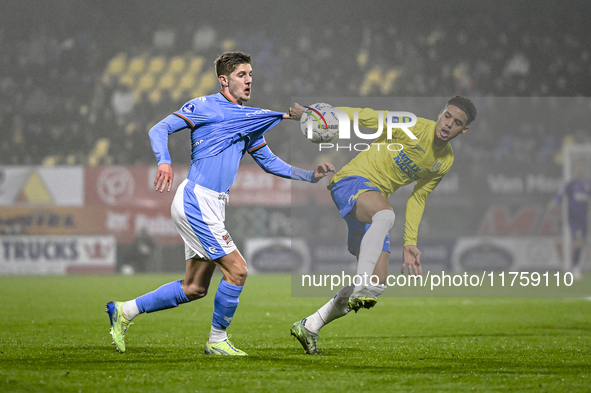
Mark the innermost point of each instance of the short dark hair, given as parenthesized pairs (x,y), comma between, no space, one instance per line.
(466,105)
(229,61)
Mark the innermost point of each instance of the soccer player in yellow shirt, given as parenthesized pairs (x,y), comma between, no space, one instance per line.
(361,190)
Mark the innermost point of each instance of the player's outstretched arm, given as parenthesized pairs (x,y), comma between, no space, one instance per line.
(270,163)
(411,258)
(321,170)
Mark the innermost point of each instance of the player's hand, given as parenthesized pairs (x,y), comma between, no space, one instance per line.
(164,177)
(411,257)
(322,170)
(296,111)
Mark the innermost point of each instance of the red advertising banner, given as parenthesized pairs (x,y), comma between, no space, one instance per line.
(253,186)
(117,187)
(122,201)
(128,203)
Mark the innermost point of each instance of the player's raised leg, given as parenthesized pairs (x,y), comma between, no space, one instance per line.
(234,270)
(198,274)
(371,208)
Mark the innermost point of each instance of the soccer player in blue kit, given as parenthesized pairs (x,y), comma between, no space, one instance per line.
(578,194)
(222,131)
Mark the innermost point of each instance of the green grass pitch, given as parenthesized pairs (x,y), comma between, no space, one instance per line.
(54,338)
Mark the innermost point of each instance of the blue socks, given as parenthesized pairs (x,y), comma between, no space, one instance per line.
(167,296)
(171,295)
(225,304)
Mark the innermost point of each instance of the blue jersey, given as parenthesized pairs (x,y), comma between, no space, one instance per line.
(221,134)
(578,193)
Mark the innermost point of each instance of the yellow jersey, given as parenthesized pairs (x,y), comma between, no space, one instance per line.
(392,163)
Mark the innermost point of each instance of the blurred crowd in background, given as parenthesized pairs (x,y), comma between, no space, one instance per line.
(85,82)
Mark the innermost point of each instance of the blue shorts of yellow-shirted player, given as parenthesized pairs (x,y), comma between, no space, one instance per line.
(344,194)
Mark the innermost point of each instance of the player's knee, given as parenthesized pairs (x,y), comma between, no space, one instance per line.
(242,273)
(195,291)
(238,275)
(387,216)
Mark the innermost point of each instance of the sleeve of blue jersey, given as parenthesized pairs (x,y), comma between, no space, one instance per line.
(159,137)
(270,163)
(194,113)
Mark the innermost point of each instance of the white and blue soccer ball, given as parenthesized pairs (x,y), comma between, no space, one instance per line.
(319,123)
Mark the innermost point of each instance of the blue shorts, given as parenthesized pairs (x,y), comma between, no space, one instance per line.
(344,194)
(198,214)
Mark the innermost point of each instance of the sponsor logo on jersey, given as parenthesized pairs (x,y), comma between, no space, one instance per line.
(188,108)
(259,112)
(213,249)
(406,165)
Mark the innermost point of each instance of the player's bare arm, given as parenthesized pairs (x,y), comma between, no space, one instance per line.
(411,259)
(164,178)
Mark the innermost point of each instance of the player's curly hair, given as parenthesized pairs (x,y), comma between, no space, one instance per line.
(229,61)
(466,105)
